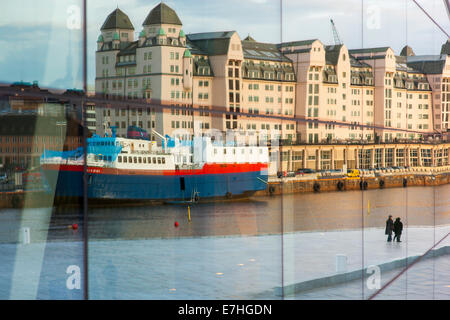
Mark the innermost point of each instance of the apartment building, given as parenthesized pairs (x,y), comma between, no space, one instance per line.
(301,91)
(334,92)
(402,96)
(158,67)
(252,82)
(437,71)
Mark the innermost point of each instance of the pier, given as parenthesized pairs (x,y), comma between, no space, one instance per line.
(317,182)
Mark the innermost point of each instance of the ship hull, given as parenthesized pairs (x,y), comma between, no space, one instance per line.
(108,185)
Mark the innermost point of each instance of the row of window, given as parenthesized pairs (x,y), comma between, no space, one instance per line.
(174,68)
(250,150)
(21,149)
(147,56)
(183,111)
(277,126)
(123,124)
(184,124)
(174,55)
(132,83)
(141,159)
(36,139)
(184,95)
(127,58)
(122,112)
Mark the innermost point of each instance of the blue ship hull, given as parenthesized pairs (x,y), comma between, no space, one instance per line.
(69,184)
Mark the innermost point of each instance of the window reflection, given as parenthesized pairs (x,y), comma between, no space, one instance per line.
(260,162)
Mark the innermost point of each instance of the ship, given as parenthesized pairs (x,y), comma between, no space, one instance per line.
(138,169)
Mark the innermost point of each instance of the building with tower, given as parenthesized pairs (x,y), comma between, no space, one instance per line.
(300,91)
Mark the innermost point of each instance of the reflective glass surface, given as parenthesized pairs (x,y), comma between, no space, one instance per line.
(292,150)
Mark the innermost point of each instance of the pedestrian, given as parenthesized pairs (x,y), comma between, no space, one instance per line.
(398,228)
(389,228)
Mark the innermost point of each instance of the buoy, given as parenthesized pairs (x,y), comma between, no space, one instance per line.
(176,224)
(15,201)
(316,187)
(271,189)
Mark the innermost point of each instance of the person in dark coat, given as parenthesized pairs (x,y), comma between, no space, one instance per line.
(398,228)
(389,228)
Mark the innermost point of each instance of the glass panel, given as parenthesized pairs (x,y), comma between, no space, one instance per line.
(412,274)
(41,237)
(246,164)
(186,223)
(322,208)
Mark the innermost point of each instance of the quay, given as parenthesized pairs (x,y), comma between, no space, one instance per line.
(22,198)
(391,178)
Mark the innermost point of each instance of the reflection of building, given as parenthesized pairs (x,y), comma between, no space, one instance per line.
(28,104)
(331,157)
(402,95)
(31,121)
(157,66)
(437,71)
(23,138)
(207,70)
(29,98)
(337,93)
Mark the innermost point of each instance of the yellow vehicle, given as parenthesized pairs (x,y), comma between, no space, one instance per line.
(354,173)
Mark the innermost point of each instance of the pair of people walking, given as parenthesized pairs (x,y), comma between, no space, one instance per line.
(394,227)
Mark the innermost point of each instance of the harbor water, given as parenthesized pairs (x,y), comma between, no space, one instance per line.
(232,249)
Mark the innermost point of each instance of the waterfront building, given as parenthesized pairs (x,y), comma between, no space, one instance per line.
(402,96)
(204,71)
(300,91)
(356,156)
(437,71)
(334,92)
(158,67)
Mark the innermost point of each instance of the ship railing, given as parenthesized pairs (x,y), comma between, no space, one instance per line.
(137,152)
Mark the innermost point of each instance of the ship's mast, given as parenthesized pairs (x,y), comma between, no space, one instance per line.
(161,136)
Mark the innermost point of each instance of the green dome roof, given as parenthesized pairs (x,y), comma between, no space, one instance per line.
(116,36)
(162,14)
(187,53)
(161,32)
(117,20)
(182,35)
(100,38)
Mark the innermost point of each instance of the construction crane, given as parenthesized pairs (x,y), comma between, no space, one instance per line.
(447,6)
(337,39)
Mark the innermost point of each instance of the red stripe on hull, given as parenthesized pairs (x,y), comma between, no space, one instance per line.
(206,169)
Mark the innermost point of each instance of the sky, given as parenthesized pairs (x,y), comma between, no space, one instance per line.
(42,40)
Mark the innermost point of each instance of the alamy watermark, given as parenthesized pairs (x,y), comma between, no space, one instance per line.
(73,21)
(374,280)
(74,279)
